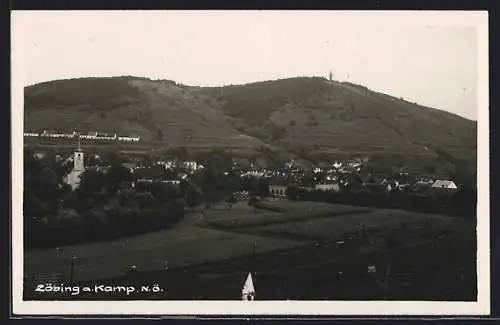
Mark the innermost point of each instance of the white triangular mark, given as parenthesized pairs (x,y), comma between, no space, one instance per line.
(248,291)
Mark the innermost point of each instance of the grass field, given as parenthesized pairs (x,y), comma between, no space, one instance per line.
(241,215)
(294,254)
(179,246)
(338,226)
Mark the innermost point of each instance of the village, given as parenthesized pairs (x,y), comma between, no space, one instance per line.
(140,202)
(350,175)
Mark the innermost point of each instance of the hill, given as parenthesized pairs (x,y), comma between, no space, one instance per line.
(310,118)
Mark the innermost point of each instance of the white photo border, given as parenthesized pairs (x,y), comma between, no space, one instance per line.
(478,19)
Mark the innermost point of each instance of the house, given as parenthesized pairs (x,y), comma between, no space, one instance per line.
(335,187)
(169,164)
(277,188)
(317,170)
(337,165)
(444,184)
(190,165)
(88,135)
(105,136)
(290,164)
(254,173)
(241,195)
(128,139)
(390,185)
(171,181)
(425,181)
(404,186)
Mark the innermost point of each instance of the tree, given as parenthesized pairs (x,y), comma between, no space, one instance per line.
(253,202)
(262,188)
(91,182)
(183,187)
(116,176)
(46,183)
(465,200)
(33,206)
(126,196)
(218,159)
(164,192)
(176,207)
(251,184)
(211,182)
(113,158)
(230,201)
(41,186)
(194,196)
(70,200)
(233,183)
(293,192)
(143,199)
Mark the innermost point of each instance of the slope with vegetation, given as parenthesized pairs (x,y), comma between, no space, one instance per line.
(308,118)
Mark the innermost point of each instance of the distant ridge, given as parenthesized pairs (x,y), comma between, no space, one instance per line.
(307,117)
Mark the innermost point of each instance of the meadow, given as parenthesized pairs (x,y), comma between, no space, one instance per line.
(310,251)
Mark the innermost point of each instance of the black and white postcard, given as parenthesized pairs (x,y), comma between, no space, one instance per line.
(250,163)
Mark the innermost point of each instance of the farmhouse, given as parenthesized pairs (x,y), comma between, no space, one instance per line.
(391,185)
(171,181)
(444,184)
(277,188)
(105,136)
(192,166)
(335,187)
(88,135)
(55,134)
(425,181)
(128,139)
(254,173)
(39,155)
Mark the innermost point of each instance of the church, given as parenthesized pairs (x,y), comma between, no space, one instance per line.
(73,178)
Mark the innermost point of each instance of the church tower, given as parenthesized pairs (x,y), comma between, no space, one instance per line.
(331,76)
(78,164)
(73,178)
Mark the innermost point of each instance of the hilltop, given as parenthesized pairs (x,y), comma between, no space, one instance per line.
(309,118)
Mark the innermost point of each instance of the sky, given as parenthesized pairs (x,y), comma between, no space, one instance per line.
(433,59)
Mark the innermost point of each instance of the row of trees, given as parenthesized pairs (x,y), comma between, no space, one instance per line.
(105,205)
(462,202)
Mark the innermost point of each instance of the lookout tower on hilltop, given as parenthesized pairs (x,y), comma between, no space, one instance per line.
(330,76)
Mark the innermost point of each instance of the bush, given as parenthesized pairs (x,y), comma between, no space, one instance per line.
(462,203)
(102,223)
